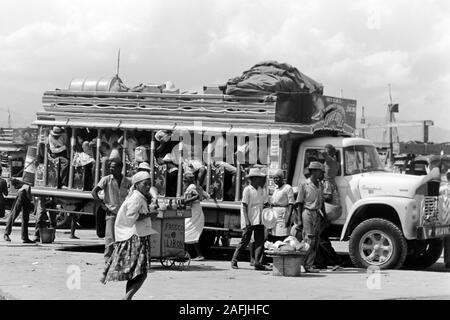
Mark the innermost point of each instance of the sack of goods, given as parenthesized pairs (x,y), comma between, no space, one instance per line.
(289,244)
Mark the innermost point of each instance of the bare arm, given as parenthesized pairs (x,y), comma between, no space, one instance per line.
(289,215)
(99,201)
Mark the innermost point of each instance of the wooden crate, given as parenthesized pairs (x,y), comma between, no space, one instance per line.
(169,241)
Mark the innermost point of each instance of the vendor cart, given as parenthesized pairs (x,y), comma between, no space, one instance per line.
(168,244)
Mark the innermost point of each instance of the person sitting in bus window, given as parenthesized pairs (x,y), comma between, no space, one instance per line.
(58,150)
(163,144)
(117,151)
(85,159)
(215,153)
(132,143)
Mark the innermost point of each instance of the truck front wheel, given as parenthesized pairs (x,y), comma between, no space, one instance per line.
(377,242)
(423,253)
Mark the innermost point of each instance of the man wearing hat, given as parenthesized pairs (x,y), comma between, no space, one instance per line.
(254,198)
(22,203)
(115,187)
(58,150)
(144,166)
(445,193)
(311,205)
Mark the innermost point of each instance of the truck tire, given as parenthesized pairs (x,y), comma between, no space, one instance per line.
(424,253)
(377,242)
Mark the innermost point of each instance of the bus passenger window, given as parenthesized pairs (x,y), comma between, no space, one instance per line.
(83,161)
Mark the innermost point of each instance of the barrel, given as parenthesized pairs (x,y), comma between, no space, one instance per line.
(94,84)
(29,169)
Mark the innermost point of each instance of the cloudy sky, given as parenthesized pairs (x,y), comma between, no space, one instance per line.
(358,47)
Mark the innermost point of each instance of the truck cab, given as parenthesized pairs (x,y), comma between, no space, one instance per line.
(390,219)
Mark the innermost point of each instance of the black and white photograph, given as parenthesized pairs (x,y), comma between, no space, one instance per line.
(224,155)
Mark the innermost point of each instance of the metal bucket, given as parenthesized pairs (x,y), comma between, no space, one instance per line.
(47,234)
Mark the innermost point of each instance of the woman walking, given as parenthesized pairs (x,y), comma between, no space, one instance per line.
(130,260)
(194,225)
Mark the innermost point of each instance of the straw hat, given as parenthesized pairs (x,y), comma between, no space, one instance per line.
(269,218)
(56,131)
(162,135)
(140,176)
(144,166)
(255,172)
(315,165)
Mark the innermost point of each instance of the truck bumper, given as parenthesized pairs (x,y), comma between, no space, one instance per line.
(431,232)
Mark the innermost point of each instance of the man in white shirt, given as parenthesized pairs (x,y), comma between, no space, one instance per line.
(254,198)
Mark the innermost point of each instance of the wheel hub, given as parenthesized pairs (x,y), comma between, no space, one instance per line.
(376,247)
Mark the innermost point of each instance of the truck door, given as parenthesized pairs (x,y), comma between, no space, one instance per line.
(315,154)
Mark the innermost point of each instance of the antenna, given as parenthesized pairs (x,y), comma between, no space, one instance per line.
(9,119)
(118,64)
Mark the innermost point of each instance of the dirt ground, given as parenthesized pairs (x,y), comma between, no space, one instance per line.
(44,271)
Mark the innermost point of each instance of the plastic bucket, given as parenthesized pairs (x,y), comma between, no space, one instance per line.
(47,234)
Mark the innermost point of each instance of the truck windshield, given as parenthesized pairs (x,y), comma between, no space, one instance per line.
(361,159)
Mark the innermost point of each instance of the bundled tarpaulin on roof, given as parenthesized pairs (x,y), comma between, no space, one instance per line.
(272,77)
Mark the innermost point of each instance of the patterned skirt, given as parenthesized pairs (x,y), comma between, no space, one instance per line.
(129,259)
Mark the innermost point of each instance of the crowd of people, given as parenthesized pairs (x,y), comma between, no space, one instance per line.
(129,204)
(304,217)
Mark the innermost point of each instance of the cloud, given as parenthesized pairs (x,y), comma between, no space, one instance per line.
(357,46)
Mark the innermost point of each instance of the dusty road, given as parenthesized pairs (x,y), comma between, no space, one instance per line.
(43,271)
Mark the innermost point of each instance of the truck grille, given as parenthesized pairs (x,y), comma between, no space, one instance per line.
(430,209)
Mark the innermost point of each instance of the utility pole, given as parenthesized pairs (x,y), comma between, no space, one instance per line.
(391,109)
(363,122)
(118,64)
